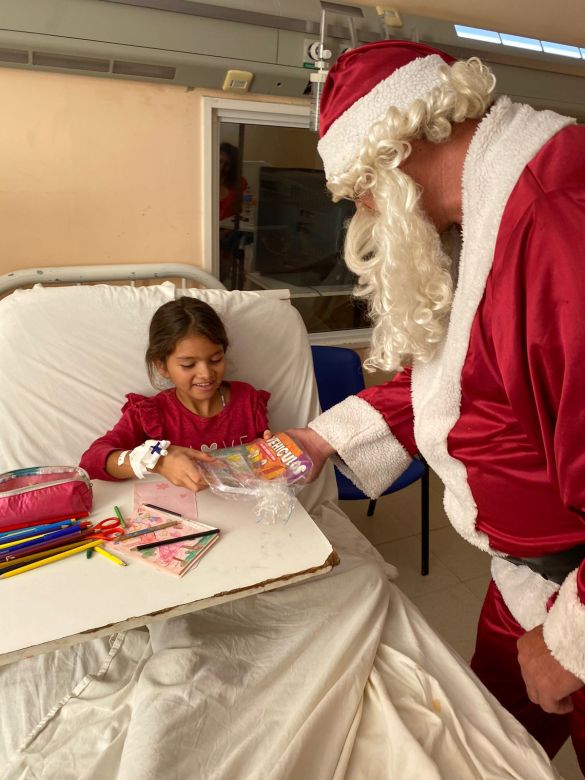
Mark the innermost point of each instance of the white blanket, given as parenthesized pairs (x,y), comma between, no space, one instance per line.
(336,677)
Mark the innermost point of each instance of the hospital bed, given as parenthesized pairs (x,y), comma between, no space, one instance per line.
(335,677)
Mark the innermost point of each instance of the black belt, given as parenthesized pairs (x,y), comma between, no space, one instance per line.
(554,566)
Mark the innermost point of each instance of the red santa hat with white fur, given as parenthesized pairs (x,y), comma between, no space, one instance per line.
(361,87)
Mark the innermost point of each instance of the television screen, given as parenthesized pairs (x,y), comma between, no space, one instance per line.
(300,231)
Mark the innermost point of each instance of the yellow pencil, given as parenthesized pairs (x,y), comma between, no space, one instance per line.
(52,559)
(110,557)
(20,541)
(20,561)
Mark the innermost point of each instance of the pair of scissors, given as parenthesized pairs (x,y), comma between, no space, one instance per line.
(108,530)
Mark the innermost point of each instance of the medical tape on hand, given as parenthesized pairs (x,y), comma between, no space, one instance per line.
(145,457)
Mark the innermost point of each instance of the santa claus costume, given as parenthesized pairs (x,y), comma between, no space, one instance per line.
(499,410)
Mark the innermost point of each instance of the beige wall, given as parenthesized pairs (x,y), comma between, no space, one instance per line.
(97,170)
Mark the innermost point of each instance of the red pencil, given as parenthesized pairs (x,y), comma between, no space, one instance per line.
(28,523)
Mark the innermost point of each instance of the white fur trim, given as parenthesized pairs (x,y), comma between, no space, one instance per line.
(343,139)
(372,456)
(564,628)
(525,592)
(504,143)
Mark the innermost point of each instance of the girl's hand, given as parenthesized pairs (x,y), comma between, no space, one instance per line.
(180,467)
(267,434)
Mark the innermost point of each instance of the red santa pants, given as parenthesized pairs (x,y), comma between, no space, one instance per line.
(495,662)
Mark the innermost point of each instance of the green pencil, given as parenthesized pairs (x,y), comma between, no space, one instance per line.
(119,516)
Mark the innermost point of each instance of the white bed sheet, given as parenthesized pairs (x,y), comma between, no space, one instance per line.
(337,677)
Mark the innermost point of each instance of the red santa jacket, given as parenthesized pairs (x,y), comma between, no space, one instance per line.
(499,412)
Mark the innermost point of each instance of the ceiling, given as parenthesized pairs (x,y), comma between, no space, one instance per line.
(562,21)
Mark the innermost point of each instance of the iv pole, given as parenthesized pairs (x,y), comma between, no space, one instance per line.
(318,77)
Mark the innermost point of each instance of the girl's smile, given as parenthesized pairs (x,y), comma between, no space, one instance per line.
(196,367)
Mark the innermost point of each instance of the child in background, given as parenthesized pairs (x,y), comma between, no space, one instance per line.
(164,433)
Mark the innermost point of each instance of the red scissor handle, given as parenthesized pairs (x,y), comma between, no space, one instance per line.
(108,529)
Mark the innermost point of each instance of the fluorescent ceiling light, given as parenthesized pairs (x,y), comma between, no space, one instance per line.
(561,48)
(476,34)
(520,43)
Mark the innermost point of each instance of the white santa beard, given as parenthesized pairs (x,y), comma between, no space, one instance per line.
(403,273)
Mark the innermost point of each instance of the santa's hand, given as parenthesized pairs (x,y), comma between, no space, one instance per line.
(314,446)
(180,467)
(548,684)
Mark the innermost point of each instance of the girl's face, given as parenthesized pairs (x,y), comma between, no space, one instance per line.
(196,367)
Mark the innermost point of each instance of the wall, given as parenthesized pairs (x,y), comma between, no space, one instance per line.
(95,171)
(98,171)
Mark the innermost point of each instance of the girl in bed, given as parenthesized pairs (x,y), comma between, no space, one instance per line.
(165,433)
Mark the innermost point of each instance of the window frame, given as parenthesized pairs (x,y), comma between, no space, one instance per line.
(215,111)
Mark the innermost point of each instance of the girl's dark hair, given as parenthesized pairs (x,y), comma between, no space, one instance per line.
(174,321)
(230,173)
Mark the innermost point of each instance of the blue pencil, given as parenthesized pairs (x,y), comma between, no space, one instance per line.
(64,532)
(31,530)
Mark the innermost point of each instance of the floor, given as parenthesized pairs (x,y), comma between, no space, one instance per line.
(450,596)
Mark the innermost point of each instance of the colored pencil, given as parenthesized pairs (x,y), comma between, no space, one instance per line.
(53,550)
(22,544)
(109,556)
(142,531)
(28,523)
(119,516)
(176,539)
(19,540)
(45,543)
(52,559)
(9,536)
(166,511)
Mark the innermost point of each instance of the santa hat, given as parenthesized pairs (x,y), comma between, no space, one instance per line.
(361,87)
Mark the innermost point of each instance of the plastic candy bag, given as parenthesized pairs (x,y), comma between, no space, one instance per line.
(270,471)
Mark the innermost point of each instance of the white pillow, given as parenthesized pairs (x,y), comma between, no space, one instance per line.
(70,354)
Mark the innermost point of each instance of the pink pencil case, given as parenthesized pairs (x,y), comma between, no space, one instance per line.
(43,494)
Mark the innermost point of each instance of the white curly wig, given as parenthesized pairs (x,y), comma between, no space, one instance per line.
(404,272)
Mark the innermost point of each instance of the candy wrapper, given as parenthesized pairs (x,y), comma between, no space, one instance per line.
(270,471)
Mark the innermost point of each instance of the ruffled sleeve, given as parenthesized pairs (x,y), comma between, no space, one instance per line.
(148,410)
(261,412)
(141,419)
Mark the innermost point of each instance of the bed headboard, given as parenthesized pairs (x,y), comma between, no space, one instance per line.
(107,273)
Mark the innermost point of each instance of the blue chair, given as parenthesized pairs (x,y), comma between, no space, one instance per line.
(338,372)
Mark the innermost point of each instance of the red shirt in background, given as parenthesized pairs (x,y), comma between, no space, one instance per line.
(228,204)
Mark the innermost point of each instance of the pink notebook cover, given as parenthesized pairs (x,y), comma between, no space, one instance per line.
(176,559)
(165,495)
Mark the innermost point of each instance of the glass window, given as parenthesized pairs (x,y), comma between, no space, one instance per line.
(279,228)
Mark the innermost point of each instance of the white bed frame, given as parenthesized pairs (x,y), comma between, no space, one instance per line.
(107,273)
(131,272)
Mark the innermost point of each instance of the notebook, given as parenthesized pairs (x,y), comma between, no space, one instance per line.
(168,504)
